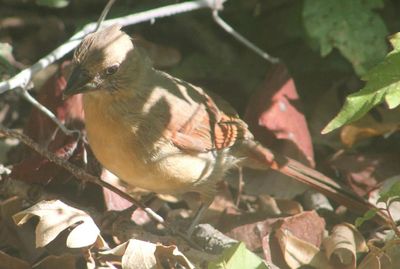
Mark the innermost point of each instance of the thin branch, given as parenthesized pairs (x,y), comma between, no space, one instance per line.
(242,39)
(47,112)
(104,14)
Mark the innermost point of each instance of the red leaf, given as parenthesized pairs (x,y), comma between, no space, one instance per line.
(274,117)
(40,127)
(364,171)
(36,168)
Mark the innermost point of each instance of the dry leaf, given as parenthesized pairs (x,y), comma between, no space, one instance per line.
(376,259)
(55,217)
(137,254)
(171,255)
(307,226)
(51,262)
(252,234)
(269,205)
(363,171)
(343,245)
(10,262)
(272,206)
(297,252)
(289,207)
(14,237)
(392,249)
(369,126)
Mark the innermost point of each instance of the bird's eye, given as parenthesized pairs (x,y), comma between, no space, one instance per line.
(112,69)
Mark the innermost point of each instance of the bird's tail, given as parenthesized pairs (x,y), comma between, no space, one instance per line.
(312,178)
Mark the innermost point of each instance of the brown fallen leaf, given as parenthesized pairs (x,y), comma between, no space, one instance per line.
(370,126)
(171,255)
(307,226)
(343,245)
(8,262)
(376,259)
(55,217)
(51,262)
(298,253)
(392,249)
(137,254)
(364,171)
(16,238)
(270,205)
(252,234)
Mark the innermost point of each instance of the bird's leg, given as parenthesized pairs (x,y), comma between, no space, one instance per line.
(203,207)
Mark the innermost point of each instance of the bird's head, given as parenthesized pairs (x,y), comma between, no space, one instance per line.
(106,60)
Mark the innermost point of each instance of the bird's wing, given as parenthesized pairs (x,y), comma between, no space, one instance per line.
(212,125)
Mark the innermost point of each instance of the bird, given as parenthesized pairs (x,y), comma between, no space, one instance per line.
(163,134)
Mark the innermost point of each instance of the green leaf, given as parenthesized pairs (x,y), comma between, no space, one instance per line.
(383,85)
(238,257)
(392,193)
(53,3)
(351,27)
(367,216)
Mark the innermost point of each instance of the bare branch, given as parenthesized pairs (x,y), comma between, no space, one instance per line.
(47,112)
(104,14)
(242,39)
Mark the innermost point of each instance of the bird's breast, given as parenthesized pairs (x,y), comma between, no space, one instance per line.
(131,149)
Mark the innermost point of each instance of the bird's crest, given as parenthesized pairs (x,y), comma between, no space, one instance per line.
(97,41)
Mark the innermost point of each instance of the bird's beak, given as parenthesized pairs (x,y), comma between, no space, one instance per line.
(78,82)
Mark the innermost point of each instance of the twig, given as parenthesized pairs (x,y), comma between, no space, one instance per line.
(242,39)
(104,14)
(47,112)
(392,222)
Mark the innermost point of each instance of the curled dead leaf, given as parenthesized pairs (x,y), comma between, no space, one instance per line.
(376,259)
(7,261)
(343,245)
(55,217)
(137,254)
(298,253)
(50,262)
(171,255)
